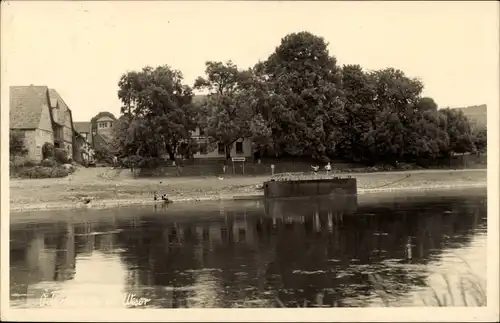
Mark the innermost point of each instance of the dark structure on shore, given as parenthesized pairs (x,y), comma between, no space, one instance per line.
(314,187)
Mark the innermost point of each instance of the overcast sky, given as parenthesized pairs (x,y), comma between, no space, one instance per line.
(82,48)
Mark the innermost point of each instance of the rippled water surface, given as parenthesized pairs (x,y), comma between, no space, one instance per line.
(342,251)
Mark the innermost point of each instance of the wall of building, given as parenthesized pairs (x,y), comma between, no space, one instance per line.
(31,145)
(83,150)
(105,126)
(42,136)
(67,132)
(34,141)
(79,143)
(212,150)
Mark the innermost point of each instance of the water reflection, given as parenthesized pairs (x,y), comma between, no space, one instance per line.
(229,255)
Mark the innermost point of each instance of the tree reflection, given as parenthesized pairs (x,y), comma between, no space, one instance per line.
(318,250)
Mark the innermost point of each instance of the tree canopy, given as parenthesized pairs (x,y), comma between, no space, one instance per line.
(226,113)
(306,114)
(158,114)
(297,102)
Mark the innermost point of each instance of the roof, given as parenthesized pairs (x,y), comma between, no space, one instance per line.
(104,114)
(101,141)
(56,98)
(106,118)
(26,106)
(56,101)
(106,138)
(81,126)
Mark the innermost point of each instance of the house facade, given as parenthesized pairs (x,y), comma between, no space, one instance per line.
(240,148)
(30,114)
(62,123)
(84,154)
(84,129)
(42,116)
(101,128)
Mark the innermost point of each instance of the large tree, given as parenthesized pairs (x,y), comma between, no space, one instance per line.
(159,111)
(360,113)
(429,140)
(459,130)
(226,113)
(480,138)
(307,110)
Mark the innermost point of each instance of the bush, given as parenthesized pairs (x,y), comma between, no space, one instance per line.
(44,172)
(48,163)
(16,143)
(103,156)
(71,169)
(61,156)
(47,150)
(21,161)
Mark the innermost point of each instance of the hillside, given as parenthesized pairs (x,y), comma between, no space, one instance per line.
(476,113)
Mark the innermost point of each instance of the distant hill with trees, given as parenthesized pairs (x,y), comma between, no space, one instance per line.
(476,113)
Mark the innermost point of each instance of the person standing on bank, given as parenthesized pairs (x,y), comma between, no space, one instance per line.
(328,168)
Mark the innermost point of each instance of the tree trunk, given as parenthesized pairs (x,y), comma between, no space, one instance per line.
(228,151)
(171,153)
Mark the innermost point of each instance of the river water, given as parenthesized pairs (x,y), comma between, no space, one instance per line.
(344,251)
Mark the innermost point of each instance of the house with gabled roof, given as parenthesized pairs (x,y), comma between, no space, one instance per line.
(42,116)
(84,129)
(30,113)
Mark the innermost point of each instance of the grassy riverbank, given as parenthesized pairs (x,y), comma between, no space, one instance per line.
(108,187)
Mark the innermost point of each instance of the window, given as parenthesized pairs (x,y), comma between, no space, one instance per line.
(104,124)
(221,149)
(239,147)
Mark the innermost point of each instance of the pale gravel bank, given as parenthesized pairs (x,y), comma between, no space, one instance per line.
(253,194)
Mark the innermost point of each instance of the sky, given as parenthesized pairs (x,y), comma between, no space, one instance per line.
(82,48)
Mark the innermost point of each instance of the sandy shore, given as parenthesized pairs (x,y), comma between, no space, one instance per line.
(112,188)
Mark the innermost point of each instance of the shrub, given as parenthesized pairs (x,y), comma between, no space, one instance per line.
(16,143)
(149,162)
(44,172)
(21,161)
(48,163)
(70,168)
(103,155)
(47,150)
(61,156)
